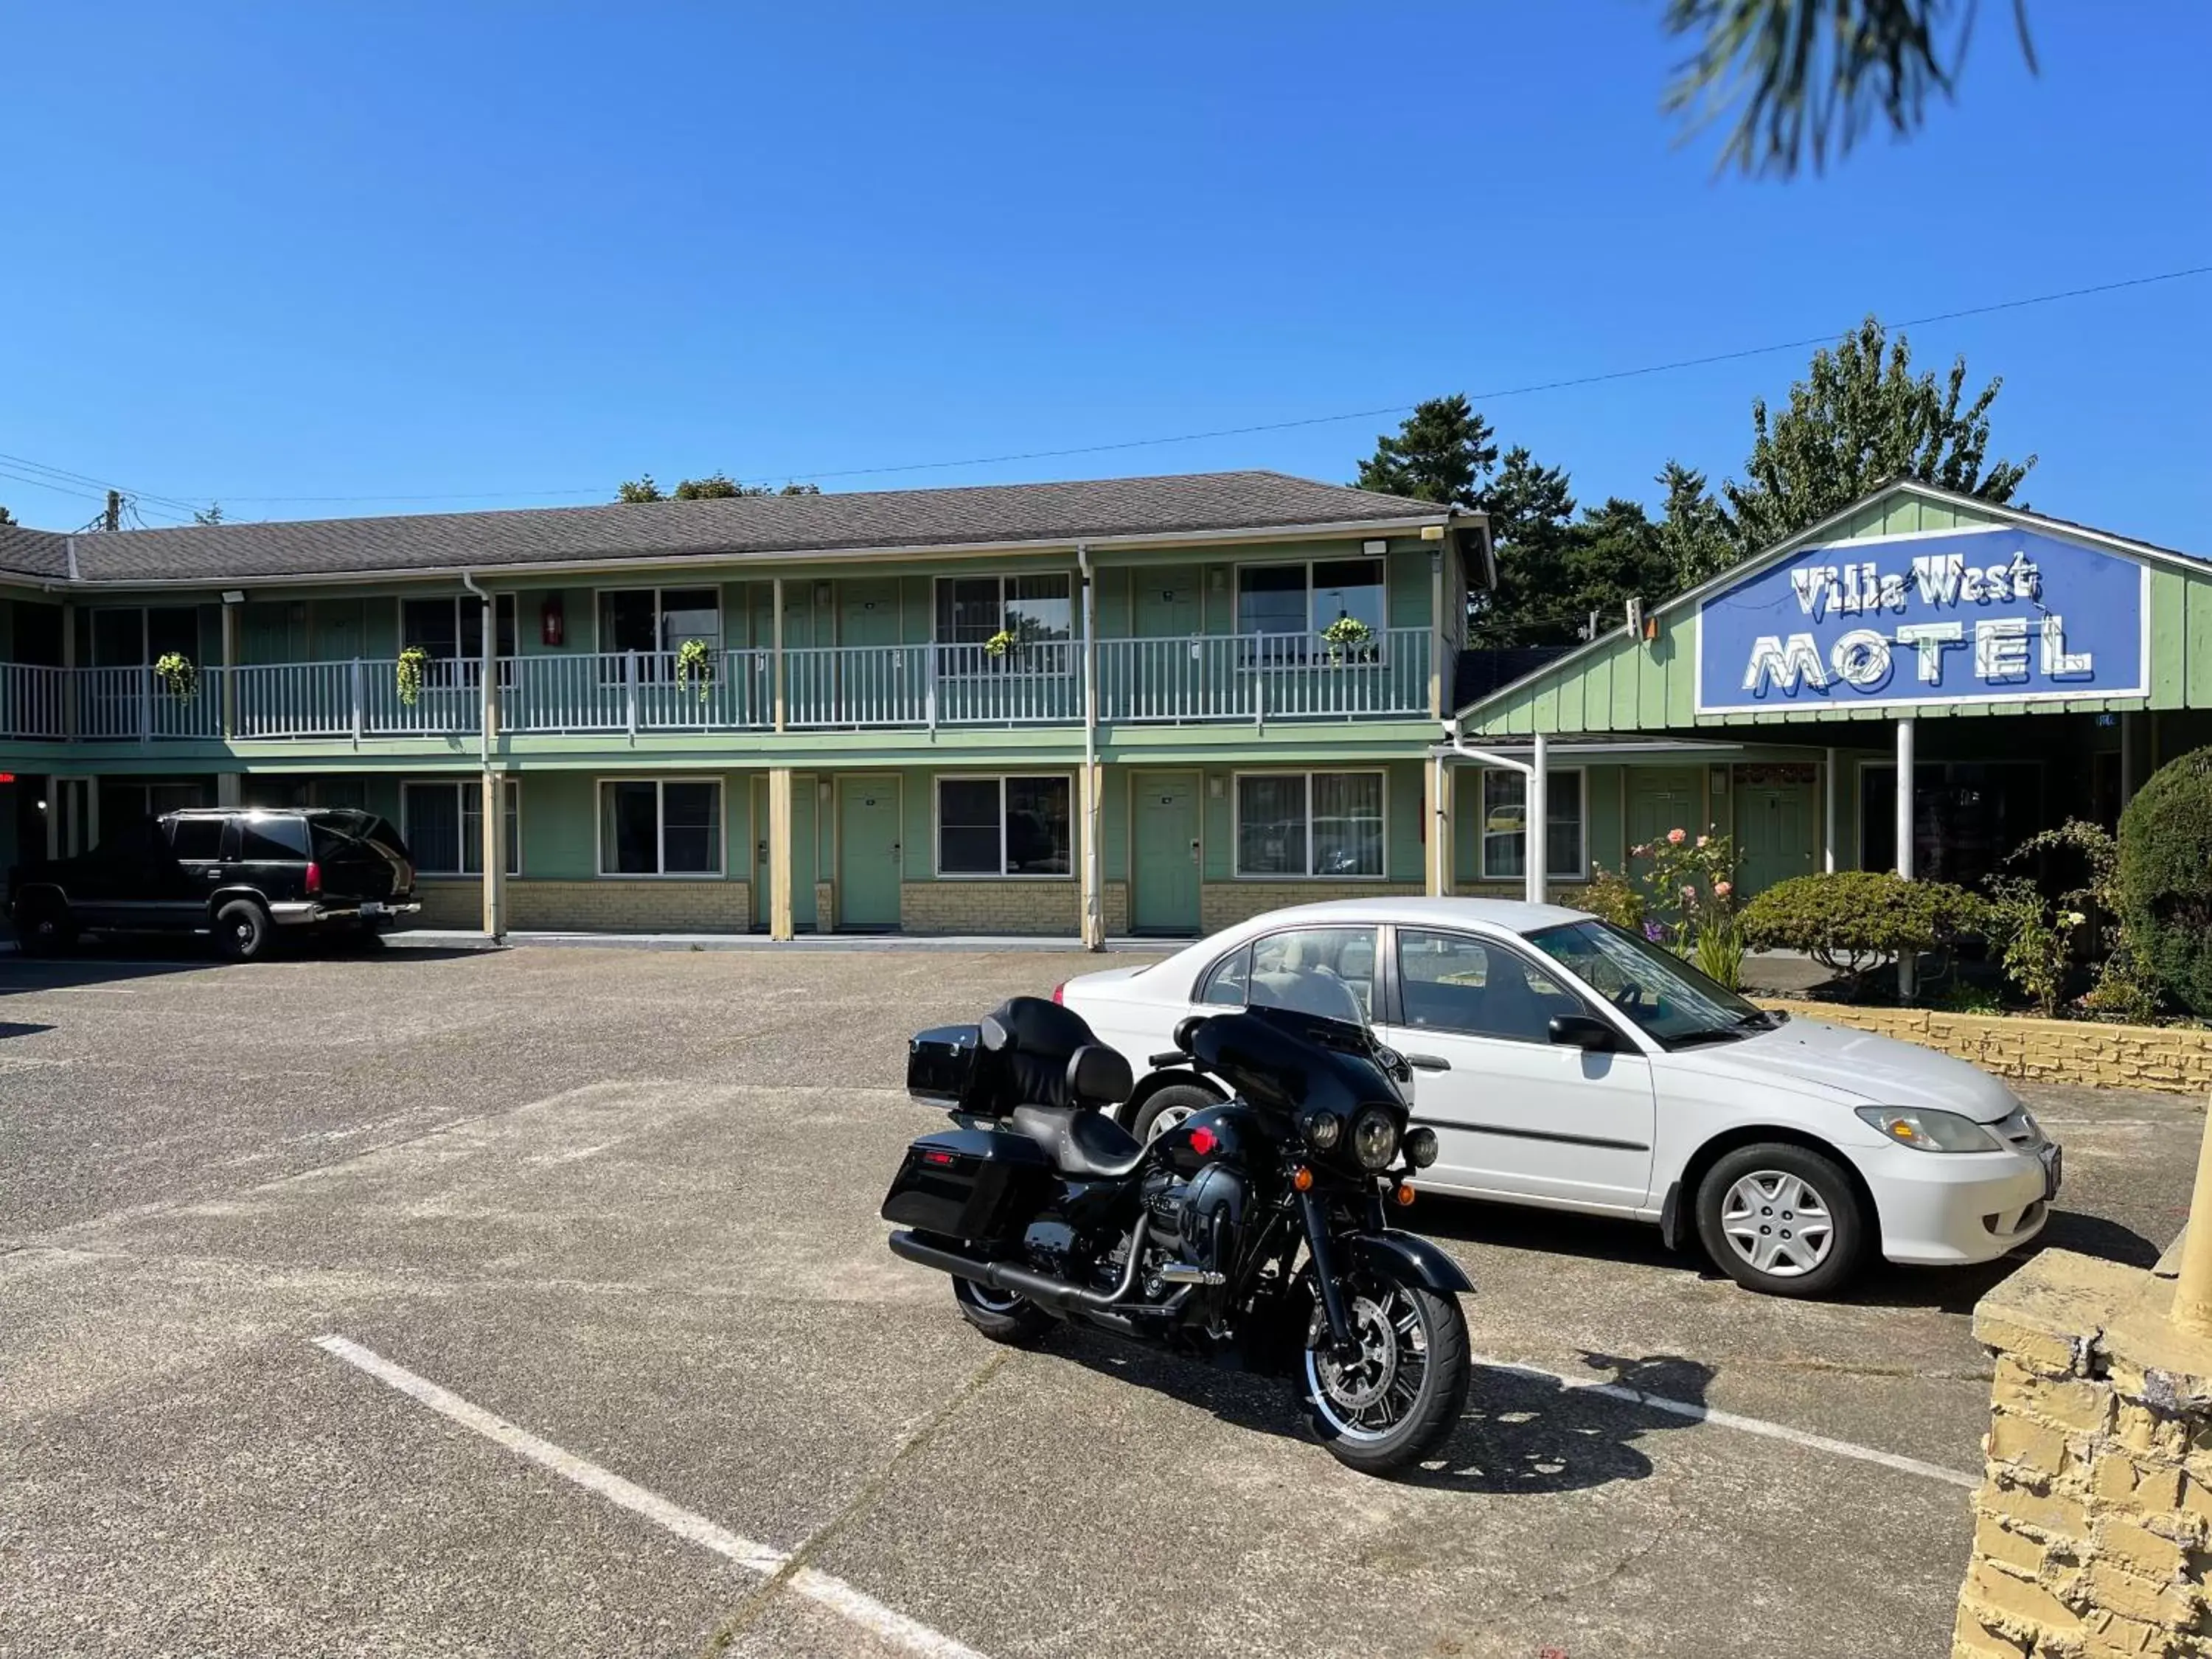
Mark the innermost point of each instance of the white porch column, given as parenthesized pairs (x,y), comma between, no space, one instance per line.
(1828,810)
(1906,966)
(1537,797)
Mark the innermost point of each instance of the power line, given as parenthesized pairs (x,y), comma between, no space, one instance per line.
(1569,383)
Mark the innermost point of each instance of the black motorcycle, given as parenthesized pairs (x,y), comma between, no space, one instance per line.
(1252,1234)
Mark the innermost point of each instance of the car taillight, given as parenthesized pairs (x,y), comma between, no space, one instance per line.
(1059,993)
(314,878)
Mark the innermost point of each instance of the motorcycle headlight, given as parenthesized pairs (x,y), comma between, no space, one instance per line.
(1323,1130)
(1927,1130)
(1420,1147)
(1374,1139)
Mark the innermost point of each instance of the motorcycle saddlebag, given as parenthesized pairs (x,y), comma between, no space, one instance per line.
(975,1184)
(946,1066)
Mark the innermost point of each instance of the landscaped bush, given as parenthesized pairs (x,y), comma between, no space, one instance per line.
(2164,878)
(1855,921)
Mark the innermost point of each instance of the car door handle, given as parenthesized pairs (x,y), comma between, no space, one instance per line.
(1428,1062)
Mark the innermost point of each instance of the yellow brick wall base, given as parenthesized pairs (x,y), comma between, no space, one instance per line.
(1113,901)
(1225,903)
(1052,909)
(2176,1060)
(451,904)
(624,907)
(2095,1509)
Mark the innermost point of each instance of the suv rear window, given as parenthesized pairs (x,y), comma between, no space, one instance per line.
(197,838)
(280,839)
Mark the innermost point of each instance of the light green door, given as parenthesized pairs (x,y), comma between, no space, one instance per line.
(1163,807)
(868,613)
(868,852)
(1663,798)
(1774,808)
(1167,602)
(803,862)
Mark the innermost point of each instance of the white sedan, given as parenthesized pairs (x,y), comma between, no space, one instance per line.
(1565,1063)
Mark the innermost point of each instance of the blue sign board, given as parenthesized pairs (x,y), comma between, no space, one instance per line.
(1955,616)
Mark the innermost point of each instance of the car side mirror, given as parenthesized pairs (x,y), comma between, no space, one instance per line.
(1585,1031)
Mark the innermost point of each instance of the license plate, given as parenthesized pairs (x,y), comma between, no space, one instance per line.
(371,907)
(2054,1159)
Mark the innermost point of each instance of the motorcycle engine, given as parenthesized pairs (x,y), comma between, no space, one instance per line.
(1197,1223)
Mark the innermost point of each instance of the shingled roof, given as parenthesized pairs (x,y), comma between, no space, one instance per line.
(763,525)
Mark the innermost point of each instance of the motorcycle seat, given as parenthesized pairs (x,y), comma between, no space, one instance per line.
(1082,1143)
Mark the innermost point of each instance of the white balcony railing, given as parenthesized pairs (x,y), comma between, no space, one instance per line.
(1204,678)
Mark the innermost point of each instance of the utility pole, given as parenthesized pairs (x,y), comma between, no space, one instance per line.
(112,519)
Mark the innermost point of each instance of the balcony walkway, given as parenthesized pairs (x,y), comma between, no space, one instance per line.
(1203,679)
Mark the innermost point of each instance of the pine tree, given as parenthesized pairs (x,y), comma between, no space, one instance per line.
(1442,453)
(1694,534)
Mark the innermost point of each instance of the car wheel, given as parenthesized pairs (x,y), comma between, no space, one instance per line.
(1170,1107)
(1781,1219)
(42,926)
(242,930)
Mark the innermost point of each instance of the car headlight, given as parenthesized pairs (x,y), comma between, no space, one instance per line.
(1374,1139)
(1930,1131)
(1323,1130)
(1420,1147)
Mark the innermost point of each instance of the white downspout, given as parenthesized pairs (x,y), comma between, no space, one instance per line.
(1094,858)
(495,855)
(1533,796)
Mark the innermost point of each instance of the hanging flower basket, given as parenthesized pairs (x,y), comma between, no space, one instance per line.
(414,665)
(1345,637)
(1005,640)
(694,665)
(178,676)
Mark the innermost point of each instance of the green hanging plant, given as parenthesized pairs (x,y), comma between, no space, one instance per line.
(1002,643)
(1346,635)
(694,663)
(176,671)
(414,665)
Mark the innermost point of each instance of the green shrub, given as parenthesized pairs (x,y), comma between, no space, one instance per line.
(1611,896)
(2165,878)
(1855,921)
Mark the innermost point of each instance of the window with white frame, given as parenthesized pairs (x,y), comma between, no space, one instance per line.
(1310,823)
(1505,826)
(660,827)
(443,825)
(1309,598)
(657,619)
(1038,610)
(451,626)
(1008,826)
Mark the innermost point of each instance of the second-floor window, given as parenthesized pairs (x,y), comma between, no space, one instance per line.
(1289,604)
(1038,611)
(655,619)
(452,627)
(126,636)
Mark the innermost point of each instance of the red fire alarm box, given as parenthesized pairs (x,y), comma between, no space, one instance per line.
(552,623)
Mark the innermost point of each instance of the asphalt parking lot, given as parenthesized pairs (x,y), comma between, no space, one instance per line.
(612,1360)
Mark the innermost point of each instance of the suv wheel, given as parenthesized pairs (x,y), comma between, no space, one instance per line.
(242,929)
(43,927)
(1782,1219)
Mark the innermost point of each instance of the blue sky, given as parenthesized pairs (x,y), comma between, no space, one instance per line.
(508,252)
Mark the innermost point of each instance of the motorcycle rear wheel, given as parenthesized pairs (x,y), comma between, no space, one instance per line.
(1404,1394)
(1000,1315)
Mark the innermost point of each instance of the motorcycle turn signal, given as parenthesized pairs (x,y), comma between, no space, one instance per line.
(1404,1195)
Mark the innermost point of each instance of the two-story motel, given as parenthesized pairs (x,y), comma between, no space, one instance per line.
(1131,706)
(1071,709)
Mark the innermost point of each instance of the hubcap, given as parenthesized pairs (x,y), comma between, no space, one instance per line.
(1368,1396)
(1777,1224)
(990,1300)
(1168,1120)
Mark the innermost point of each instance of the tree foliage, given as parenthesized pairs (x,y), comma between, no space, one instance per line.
(1442,453)
(1814,74)
(6,517)
(1860,418)
(1853,923)
(2164,878)
(715,486)
(1695,537)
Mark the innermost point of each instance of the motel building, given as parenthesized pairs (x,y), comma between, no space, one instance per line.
(2012,670)
(1126,706)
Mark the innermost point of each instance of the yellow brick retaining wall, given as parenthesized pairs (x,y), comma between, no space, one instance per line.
(2177,1059)
(1050,908)
(451,904)
(1224,903)
(627,907)
(2092,1524)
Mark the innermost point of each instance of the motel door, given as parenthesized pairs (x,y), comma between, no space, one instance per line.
(1163,808)
(1775,808)
(868,852)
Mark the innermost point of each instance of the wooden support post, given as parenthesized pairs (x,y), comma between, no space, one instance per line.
(779,850)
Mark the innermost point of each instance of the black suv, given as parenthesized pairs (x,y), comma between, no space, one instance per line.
(238,873)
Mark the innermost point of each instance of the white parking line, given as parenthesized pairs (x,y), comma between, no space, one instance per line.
(835,1594)
(1697,1414)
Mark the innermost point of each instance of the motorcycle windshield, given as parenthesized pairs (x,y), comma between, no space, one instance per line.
(1291,1060)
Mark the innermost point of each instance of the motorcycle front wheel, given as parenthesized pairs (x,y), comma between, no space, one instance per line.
(1403,1395)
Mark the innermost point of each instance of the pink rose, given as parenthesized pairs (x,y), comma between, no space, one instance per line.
(1689,895)
(1702,839)
(1676,837)
(1723,889)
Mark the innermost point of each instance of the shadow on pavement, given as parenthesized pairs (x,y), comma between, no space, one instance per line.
(103,960)
(1522,1431)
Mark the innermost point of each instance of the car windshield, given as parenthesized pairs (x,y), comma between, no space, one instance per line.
(1670,1000)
